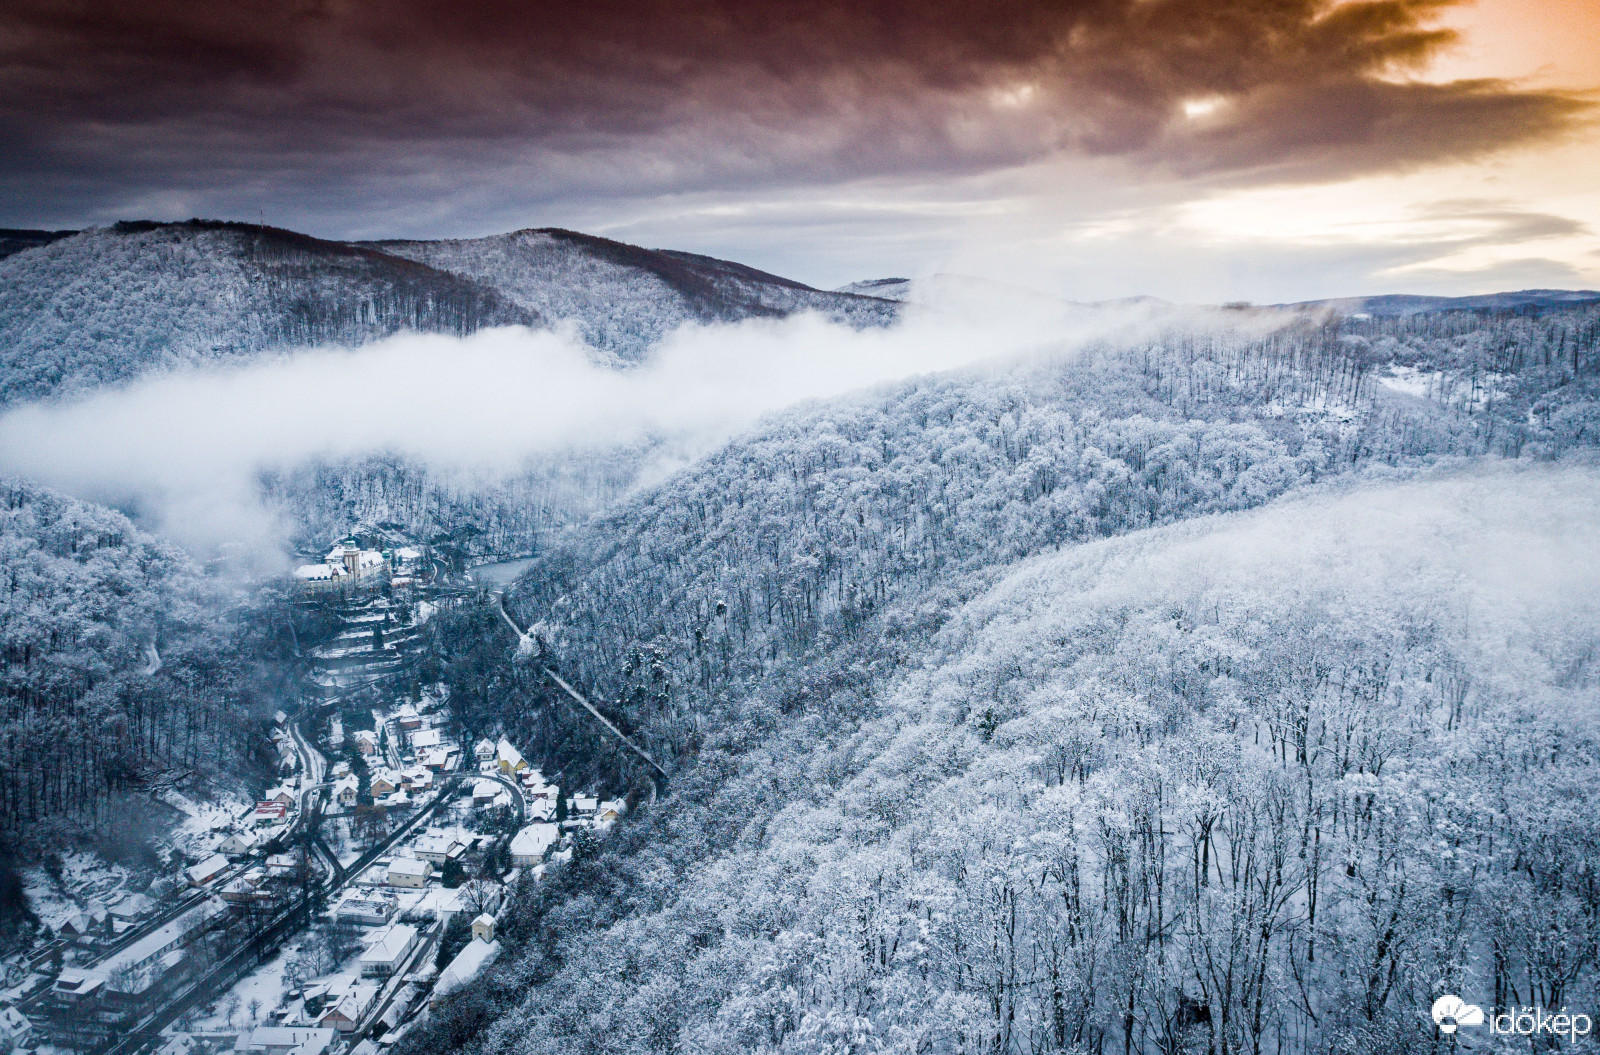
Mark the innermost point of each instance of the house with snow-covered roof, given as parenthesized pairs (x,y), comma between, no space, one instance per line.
(15,1028)
(267,812)
(529,844)
(509,758)
(238,844)
(437,847)
(206,870)
(409,872)
(284,1040)
(281,865)
(346,790)
(386,954)
(438,758)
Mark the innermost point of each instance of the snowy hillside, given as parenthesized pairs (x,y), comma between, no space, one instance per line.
(768,621)
(1346,739)
(624,298)
(106,305)
(103,627)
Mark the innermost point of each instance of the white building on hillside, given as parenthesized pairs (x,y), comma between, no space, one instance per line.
(386,955)
(347,566)
(528,848)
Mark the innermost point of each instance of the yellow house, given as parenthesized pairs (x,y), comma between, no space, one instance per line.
(510,759)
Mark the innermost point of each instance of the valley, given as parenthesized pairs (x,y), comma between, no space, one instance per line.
(280,901)
(1159,691)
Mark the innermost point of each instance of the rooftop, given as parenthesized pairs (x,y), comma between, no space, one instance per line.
(392,943)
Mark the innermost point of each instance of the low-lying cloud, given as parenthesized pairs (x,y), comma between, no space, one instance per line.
(186,450)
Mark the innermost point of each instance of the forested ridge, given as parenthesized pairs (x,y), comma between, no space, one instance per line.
(106,305)
(100,307)
(801,531)
(759,617)
(624,299)
(124,670)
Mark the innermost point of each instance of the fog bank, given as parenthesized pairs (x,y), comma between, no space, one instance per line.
(184,450)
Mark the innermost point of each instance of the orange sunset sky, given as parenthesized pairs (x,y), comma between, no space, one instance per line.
(1264,150)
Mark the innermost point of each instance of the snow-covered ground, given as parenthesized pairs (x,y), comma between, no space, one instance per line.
(202,821)
(264,985)
(86,879)
(1410,381)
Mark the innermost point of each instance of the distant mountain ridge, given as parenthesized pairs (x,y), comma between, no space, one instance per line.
(1410,304)
(105,305)
(13,240)
(934,290)
(82,309)
(624,298)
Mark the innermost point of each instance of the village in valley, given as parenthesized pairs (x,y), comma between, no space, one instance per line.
(333,911)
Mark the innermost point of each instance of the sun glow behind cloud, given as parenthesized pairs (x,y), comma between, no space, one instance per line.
(1203,107)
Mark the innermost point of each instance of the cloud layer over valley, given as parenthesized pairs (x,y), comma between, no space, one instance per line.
(184,450)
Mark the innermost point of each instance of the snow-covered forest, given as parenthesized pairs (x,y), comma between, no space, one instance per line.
(1228,687)
(952,776)
(110,304)
(125,670)
(1261,781)
(624,299)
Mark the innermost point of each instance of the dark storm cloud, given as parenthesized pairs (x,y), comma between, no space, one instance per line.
(380,106)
